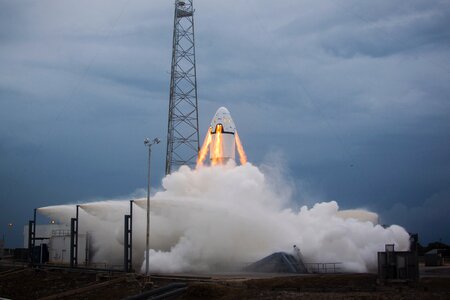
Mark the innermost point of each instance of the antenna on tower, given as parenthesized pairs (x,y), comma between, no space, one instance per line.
(183,141)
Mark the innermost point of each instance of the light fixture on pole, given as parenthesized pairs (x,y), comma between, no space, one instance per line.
(149,144)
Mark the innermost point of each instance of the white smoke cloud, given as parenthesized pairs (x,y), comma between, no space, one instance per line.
(224,217)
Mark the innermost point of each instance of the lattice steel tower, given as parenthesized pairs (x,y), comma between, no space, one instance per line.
(182,133)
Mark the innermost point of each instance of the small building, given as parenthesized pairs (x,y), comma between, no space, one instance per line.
(52,244)
(397,265)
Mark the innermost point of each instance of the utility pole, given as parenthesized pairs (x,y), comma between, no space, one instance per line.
(148,144)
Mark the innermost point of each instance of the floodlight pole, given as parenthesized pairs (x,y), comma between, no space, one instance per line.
(147,239)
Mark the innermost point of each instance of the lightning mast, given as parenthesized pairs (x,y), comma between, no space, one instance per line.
(182,133)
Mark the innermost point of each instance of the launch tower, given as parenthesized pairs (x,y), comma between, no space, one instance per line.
(182,133)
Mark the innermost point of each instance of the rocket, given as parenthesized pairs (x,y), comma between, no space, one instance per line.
(222,147)
(221,140)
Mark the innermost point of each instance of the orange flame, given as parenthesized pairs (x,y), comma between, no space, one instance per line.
(242,155)
(204,150)
(218,147)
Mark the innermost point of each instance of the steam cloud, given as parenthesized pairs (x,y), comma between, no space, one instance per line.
(221,218)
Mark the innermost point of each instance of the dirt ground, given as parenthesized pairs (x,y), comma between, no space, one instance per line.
(333,287)
(38,283)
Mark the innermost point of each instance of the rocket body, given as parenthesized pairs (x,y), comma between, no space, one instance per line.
(221,141)
(223,145)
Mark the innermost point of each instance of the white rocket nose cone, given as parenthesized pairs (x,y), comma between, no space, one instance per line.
(223,117)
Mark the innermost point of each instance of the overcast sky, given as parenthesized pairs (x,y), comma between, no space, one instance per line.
(352,97)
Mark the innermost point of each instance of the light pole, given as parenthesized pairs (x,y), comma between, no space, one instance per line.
(149,144)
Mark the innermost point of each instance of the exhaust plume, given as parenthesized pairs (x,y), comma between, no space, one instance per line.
(221,218)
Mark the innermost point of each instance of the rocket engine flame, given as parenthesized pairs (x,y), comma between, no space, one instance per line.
(217,150)
(221,140)
(204,150)
(242,155)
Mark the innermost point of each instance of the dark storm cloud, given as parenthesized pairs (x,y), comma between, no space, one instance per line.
(390,37)
(354,94)
(426,219)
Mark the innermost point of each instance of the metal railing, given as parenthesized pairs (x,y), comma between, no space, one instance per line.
(324,268)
